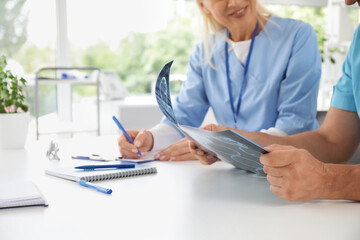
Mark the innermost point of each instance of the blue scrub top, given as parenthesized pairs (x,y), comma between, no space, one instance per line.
(346,94)
(281,86)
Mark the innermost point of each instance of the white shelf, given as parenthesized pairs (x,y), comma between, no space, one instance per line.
(66,127)
(67,81)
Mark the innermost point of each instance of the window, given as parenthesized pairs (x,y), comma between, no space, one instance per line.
(134,38)
(27,37)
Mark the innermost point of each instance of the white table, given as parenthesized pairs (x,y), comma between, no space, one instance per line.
(184,200)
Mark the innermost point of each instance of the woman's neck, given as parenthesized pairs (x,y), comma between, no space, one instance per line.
(246,34)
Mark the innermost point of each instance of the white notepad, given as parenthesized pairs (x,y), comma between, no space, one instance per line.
(20,194)
(100,174)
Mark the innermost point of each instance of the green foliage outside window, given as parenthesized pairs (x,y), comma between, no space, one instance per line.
(139,57)
(13,26)
(315,16)
(32,57)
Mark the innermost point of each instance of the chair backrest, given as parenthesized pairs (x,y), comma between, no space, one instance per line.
(320,116)
(355,158)
(111,85)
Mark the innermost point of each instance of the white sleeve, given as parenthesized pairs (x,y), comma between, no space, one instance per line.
(164,135)
(275,132)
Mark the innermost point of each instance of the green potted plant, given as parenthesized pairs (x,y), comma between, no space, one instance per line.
(14,115)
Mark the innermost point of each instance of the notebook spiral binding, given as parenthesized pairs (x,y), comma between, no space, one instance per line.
(128,173)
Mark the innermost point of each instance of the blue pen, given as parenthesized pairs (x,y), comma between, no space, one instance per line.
(121,165)
(97,188)
(125,133)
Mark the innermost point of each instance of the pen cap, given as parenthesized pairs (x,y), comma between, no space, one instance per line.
(97,188)
(83,183)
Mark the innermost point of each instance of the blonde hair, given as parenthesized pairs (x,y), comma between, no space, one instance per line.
(213,29)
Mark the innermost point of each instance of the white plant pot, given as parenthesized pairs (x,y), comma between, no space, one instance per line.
(13,130)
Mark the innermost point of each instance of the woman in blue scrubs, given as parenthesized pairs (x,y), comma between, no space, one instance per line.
(256,71)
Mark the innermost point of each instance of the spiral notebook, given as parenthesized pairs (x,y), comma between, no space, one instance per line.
(20,194)
(100,174)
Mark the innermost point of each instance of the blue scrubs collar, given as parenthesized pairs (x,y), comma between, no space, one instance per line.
(235,114)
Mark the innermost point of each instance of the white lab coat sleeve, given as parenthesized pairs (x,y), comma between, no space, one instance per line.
(164,135)
(299,89)
(274,132)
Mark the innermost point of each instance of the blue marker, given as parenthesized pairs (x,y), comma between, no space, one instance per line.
(125,133)
(97,188)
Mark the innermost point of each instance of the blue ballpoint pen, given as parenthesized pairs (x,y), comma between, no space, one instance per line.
(125,133)
(97,188)
(121,165)
(95,157)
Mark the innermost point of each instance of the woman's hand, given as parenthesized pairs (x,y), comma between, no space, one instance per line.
(143,140)
(204,157)
(178,151)
(215,127)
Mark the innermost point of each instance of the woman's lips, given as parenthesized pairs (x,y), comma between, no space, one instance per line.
(239,13)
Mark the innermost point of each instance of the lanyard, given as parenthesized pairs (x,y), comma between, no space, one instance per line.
(235,114)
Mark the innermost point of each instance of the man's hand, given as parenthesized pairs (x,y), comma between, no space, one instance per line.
(143,140)
(294,174)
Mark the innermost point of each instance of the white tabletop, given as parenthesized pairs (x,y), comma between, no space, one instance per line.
(184,200)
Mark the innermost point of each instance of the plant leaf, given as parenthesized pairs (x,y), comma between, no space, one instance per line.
(24,107)
(2,109)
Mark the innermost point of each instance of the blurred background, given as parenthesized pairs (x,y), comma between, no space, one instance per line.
(130,41)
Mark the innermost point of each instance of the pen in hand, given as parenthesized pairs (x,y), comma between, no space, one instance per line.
(125,133)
